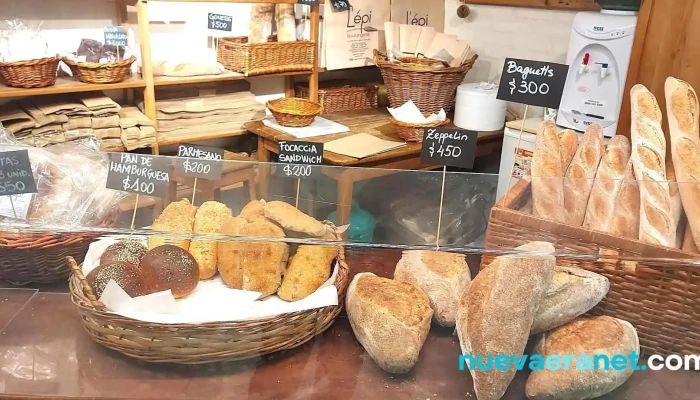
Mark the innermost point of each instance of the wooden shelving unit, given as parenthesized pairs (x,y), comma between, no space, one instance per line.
(69,85)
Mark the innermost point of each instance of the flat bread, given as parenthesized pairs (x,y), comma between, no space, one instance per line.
(292,219)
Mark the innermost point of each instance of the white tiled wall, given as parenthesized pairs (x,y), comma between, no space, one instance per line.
(497,32)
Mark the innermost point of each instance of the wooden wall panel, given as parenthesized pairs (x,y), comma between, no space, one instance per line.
(551,4)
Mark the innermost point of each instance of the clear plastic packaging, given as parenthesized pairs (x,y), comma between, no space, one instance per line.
(21,41)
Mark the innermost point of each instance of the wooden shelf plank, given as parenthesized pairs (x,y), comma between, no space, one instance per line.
(226,76)
(70,85)
(218,131)
(237,1)
(550,4)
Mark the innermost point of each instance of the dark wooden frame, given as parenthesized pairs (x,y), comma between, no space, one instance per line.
(550,4)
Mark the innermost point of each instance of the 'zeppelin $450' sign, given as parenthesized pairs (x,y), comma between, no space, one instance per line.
(449,147)
(139,174)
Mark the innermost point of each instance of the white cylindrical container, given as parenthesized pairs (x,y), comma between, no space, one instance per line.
(478,109)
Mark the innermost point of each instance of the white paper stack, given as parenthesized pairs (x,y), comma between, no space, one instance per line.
(320,127)
(410,114)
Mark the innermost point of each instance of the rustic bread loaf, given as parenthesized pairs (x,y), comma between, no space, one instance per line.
(289,217)
(581,173)
(547,174)
(442,276)
(676,204)
(656,224)
(309,268)
(178,217)
(497,310)
(253,211)
(583,337)
(688,241)
(229,258)
(573,292)
(568,144)
(391,320)
(263,262)
(684,130)
(209,219)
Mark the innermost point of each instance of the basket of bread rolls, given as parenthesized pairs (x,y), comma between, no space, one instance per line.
(43,228)
(623,209)
(197,257)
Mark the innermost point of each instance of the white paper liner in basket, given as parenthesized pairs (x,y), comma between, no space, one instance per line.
(212,300)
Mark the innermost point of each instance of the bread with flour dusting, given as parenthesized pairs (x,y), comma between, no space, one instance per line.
(547,174)
(581,173)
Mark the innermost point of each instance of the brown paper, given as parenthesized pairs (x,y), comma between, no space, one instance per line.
(361,145)
(105,122)
(131,116)
(419,12)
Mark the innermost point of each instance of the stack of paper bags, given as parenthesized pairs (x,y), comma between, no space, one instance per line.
(415,41)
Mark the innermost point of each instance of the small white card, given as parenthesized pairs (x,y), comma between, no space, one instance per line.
(15,206)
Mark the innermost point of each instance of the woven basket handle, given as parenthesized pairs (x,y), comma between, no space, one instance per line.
(87,290)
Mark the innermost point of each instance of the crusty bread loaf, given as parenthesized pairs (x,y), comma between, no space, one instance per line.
(608,181)
(209,218)
(676,204)
(568,144)
(605,336)
(625,220)
(581,173)
(253,211)
(573,292)
(684,130)
(442,276)
(263,262)
(547,174)
(230,254)
(391,320)
(688,241)
(178,217)
(497,310)
(290,218)
(309,268)
(656,224)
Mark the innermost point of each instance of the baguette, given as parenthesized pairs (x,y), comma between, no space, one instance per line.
(547,174)
(688,241)
(683,114)
(656,224)
(625,220)
(676,205)
(209,218)
(581,173)
(608,182)
(568,144)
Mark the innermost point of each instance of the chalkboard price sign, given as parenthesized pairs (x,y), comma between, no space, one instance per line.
(116,36)
(533,83)
(220,22)
(200,161)
(16,173)
(449,147)
(308,2)
(300,156)
(340,5)
(139,174)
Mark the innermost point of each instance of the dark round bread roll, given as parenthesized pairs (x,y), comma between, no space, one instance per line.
(129,277)
(170,267)
(127,251)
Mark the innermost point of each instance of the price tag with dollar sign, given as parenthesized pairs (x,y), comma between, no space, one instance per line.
(534,83)
(139,174)
(200,161)
(16,184)
(449,147)
(340,5)
(300,158)
(219,22)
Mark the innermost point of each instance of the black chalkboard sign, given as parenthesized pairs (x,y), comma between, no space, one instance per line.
(300,156)
(450,147)
(16,173)
(219,22)
(200,161)
(308,2)
(340,5)
(535,83)
(116,36)
(138,173)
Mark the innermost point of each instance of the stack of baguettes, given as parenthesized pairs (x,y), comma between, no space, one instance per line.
(626,189)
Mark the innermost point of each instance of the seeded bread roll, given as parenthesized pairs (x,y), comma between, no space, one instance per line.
(230,254)
(128,276)
(309,268)
(253,211)
(290,218)
(209,219)
(171,268)
(568,144)
(128,251)
(581,173)
(547,175)
(178,217)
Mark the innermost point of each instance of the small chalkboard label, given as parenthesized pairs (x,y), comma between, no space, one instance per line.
(340,5)
(300,156)
(200,161)
(16,173)
(308,2)
(534,83)
(139,174)
(220,22)
(449,147)
(116,36)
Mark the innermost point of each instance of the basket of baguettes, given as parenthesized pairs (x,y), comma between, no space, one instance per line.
(622,210)
(188,272)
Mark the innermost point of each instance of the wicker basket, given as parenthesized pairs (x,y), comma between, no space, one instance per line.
(414,132)
(430,88)
(202,343)
(656,289)
(294,112)
(30,74)
(101,73)
(338,96)
(236,54)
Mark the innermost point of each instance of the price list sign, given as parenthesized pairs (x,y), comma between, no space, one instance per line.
(534,83)
(220,22)
(16,173)
(449,147)
(115,36)
(200,161)
(340,5)
(139,174)
(299,157)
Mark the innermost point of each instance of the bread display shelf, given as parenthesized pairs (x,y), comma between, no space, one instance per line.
(650,286)
(70,85)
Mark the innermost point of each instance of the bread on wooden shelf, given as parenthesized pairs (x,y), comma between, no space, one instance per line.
(547,174)
(581,173)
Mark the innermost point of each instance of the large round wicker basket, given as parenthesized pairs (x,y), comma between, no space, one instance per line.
(201,343)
